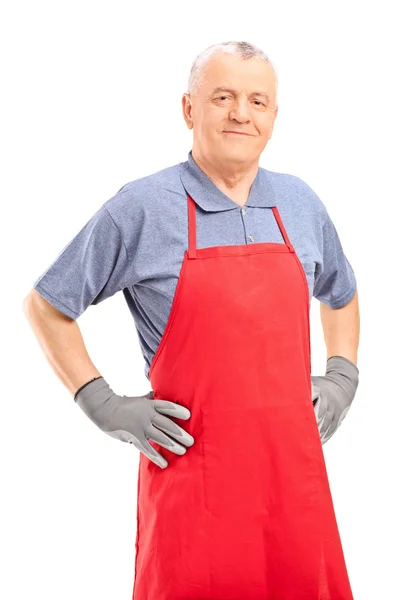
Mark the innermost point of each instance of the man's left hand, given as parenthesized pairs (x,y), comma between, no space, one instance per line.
(334,393)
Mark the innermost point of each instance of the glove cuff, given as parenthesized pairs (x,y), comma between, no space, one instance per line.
(84,385)
(340,363)
(97,386)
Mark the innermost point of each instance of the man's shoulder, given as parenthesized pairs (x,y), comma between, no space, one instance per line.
(292,188)
(288,181)
(153,180)
(144,193)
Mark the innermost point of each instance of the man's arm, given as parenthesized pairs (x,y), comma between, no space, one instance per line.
(61,341)
(341,328)
(334,392)
(133,419)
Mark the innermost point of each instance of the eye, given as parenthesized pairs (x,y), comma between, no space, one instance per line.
(259,102)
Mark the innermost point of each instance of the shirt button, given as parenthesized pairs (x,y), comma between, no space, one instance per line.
(243,211)
(251,238)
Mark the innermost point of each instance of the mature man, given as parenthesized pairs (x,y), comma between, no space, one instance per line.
(218,259)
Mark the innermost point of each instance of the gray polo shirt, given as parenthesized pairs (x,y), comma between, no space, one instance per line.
(135,243)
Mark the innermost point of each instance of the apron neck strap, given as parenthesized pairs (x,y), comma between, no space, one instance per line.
(281,227)
(192,226)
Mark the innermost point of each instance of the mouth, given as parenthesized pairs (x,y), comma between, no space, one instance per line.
(236,133)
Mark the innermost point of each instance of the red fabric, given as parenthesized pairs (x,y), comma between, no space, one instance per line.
(246,513)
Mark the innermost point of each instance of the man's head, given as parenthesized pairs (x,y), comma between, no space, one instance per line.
(232,87)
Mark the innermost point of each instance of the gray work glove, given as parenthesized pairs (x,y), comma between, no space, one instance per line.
(135,419)
(333,394)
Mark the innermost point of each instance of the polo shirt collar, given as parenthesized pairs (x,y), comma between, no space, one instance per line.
(210,198)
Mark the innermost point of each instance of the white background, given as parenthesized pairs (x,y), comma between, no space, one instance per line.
(91,100)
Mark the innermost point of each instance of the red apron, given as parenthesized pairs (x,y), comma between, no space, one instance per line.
(246,513)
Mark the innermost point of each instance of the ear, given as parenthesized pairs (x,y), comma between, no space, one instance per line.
(187,110)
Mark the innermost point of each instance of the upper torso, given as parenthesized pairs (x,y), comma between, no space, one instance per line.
(142,234)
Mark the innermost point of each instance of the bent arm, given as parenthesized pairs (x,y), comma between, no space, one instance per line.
(61,341)
(341,328)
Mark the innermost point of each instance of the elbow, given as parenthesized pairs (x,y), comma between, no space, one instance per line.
(31,301)
(26,303)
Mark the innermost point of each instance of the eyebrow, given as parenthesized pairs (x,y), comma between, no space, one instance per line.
(224,89)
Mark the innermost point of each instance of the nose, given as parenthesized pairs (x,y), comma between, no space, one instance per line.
(240,111)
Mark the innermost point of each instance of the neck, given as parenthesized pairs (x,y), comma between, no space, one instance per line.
(235,184)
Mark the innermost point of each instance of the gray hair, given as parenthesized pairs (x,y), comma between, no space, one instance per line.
(243,49)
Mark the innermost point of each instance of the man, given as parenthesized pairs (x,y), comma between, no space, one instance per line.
(218,260)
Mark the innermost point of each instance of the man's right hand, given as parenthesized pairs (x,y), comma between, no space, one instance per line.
(135,419)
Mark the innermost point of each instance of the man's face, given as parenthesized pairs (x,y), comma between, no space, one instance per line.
(234,95)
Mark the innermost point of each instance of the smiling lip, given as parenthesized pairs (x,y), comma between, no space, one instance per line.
(237,132)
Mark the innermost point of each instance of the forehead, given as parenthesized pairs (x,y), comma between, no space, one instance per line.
(230,71)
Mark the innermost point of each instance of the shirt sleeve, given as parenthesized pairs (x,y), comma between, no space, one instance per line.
(89,269)
(334,279)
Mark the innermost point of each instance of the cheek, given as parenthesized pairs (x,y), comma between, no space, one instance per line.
(264,129)
(264,124)
(211,125)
